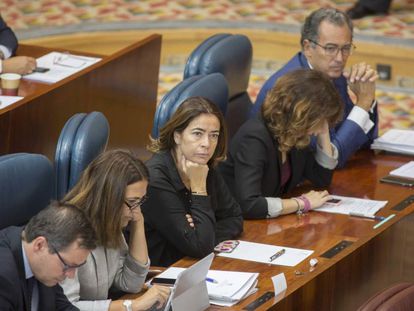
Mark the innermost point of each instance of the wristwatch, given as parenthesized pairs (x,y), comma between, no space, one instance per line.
(128,305)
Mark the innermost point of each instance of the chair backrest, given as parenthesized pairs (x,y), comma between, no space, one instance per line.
(399,297)
(212,86)
(231,55)
(27,186)
(83,137)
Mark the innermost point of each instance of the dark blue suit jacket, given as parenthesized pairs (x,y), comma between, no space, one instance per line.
(13,289)
(7,37)
(347,136)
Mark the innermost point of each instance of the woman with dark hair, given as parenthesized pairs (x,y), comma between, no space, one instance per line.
(189,209)
(111,191)
(270,155)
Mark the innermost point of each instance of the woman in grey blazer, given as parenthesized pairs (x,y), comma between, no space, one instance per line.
(110,192)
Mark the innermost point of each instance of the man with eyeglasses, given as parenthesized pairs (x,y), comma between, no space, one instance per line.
(8,47)
(34,259)
(326,41)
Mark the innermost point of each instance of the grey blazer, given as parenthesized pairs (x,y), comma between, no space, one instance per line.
(104,268)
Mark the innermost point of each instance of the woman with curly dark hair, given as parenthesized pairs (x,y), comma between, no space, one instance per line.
(270,155)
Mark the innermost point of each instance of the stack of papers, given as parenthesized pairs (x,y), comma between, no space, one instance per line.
(60,66)
(230,287)
(405,171)
(353,205)
(399,141)
(225,288)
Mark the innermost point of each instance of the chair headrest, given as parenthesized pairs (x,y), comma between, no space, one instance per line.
(212,86)
(27,186)
(90,140)
(228,54)
(64,152)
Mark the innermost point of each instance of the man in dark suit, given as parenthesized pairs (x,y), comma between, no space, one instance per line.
(326,40)
(364,8)
(34,259)
(8,47)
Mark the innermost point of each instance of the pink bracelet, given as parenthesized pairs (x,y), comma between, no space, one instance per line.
(306,202)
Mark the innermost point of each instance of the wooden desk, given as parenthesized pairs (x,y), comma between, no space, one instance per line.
(375,260)
(123,86)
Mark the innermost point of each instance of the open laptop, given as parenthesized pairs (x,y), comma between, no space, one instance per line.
(190,289)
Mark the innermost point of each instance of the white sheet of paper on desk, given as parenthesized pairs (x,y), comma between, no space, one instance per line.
(395,140)
(353,205)
(406,170)
(67,65)
(262,252)
(8,100)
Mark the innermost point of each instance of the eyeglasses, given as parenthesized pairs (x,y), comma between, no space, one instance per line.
(71,61)
(66,267)
(332,49)
(137,203)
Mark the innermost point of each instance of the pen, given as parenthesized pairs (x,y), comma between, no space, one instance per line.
(210,280)
(277,255)
(383,221)
(366,216)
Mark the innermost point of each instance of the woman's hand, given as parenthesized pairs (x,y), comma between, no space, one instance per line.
(196,173)
(324,140)
(317,198)
(155,295)
(190,220)
(136,215)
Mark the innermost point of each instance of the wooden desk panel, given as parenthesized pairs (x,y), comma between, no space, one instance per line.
(376,259)
(123,86)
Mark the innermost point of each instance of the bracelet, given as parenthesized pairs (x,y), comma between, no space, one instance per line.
(299,210)
(307,203)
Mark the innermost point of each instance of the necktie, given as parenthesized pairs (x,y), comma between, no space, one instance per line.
(30,284)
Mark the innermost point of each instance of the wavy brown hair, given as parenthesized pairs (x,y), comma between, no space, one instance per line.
(190,109)
(100,192)
(300,101)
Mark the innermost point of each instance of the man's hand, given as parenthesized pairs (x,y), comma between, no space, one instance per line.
(19,64)
(361,80)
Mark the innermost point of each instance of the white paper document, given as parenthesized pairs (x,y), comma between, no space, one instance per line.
(8,100)
(228,288)
(61,66)
(262,252)
(394,140)
(406,171)
(353,205)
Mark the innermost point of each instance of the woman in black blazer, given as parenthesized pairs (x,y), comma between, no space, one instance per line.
(270,155)
(189,208)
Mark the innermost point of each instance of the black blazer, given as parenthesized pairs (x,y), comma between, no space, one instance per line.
(13,289)
(7,37)
(252,170)
(217,217)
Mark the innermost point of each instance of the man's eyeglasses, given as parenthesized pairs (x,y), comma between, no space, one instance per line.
(66,267)
(136,203)
(71,61)
(332,49)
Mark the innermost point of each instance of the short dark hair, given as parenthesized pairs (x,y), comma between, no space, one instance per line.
(310,28)
(190,109)
(61,224)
